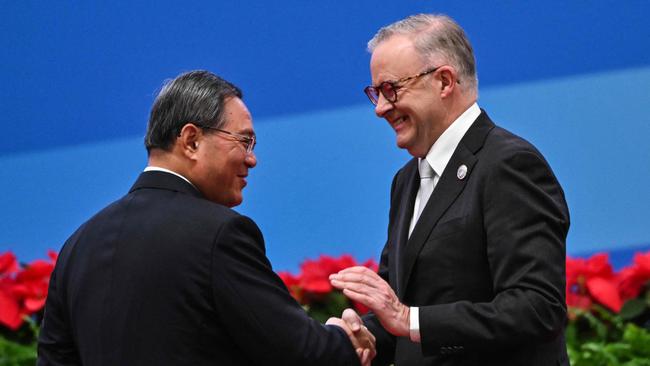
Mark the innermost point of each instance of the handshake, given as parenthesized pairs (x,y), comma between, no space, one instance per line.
(362,340)
(367,287)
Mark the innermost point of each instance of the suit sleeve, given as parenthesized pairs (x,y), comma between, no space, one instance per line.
(260,313)
(56,346)
(385,341)
(525,226)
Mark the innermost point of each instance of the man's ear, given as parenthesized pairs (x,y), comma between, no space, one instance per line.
(189,139)
(448,78)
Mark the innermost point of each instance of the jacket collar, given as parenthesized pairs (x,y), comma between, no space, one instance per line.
(166,181)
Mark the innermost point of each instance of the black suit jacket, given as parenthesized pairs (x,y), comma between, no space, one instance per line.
(166,277)
(485,262)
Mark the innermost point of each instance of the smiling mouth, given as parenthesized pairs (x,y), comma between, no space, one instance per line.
(398,122)
(243,178)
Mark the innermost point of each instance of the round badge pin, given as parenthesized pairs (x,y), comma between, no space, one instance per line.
(461,173)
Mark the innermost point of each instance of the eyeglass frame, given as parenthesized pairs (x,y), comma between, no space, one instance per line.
(393,84)
(249,141)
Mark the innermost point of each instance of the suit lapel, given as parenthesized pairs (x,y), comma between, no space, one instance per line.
(444,195)
(399,236)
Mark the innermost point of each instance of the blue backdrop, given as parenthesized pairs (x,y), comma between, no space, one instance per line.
(77,80)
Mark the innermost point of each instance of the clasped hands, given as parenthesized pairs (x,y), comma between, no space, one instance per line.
(362,340)
(366,287)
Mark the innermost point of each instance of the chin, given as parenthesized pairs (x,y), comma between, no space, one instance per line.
(416,154)
(236,201)
(228,201)
(403,145)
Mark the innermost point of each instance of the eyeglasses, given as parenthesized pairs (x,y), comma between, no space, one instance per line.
(389,88)
(248,141)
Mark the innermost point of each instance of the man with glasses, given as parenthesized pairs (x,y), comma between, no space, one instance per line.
(170,274)
(473,270)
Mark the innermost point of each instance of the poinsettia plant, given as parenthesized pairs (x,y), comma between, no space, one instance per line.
(23,290)
(609,311)
(312,289)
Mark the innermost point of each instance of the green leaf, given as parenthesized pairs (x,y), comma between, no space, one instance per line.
(632,309)
(332,305)
(598,326)
(639,340)
(16,354)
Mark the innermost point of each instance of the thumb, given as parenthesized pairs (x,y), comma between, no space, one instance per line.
(352,318)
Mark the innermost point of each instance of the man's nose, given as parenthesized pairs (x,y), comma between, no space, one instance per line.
(251,159)
(383,106)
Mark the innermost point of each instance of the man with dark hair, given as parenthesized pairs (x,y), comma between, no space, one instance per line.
(170,274)
(473,269)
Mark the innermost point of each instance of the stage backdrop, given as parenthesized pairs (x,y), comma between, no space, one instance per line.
(77,80)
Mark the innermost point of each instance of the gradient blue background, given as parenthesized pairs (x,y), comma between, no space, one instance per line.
(77,80)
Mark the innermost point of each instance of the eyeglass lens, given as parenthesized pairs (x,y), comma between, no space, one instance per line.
(385,88)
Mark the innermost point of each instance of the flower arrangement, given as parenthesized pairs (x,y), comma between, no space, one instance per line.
(609,311)
(23,290)
(312,288)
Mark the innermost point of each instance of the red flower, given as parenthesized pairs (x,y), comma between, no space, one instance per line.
(10,314)
(32,285)
(23,293)
(293,284)
(359,307)
(592,278)
(8,264)
(370,263)
(315,273)
(312,285)
(578,301)
(633,278)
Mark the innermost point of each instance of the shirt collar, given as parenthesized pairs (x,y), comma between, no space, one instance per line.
(151,168)
(441,150)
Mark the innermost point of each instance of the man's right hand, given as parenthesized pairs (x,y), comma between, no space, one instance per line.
(362,340)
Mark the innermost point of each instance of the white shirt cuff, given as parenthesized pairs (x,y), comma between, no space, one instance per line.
(414,324)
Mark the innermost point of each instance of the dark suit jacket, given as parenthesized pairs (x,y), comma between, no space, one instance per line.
(166,277)
(485,262)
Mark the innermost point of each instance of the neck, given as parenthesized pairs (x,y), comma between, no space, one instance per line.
(458,106)
(169,161)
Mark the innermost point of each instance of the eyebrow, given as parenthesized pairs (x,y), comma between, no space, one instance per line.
(247,131)
(390,81)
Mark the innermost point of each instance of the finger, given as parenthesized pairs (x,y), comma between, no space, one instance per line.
(345,283)
(356,269)
(340,323)
(371,341)
(371,336)
(352,318)
(365,356)
(357,276)
(372,355)
(362,288)
(363,298)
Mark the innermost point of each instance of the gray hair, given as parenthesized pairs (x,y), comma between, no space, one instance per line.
(195,96)
(437,38)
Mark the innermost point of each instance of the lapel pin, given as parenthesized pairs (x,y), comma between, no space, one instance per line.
(462,172)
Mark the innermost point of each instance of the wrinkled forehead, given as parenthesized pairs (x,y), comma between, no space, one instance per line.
(237,117)
(393,59)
